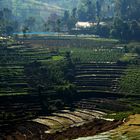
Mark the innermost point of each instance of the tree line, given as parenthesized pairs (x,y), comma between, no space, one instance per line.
(121,18)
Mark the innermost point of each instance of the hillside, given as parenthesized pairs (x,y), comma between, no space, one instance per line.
(68,4)
(44,7)
(27,8)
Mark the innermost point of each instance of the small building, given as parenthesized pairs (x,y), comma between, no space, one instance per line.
(79,24)
(83,24)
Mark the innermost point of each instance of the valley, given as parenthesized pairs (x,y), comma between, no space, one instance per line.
(93,101)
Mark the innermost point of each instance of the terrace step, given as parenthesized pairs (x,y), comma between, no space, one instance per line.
(96,80)
(103,104)
(84,94)
(82,115)
(93,76)
(99,84)
(96,91)
(93,88)
(100,67)
(14,85)
(81,72)
(72,117)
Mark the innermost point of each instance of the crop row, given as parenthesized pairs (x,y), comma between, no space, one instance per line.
(83,55)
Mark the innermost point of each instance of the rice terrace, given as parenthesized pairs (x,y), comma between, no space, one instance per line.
(72,75)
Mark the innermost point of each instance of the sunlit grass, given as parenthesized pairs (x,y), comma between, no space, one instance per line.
(57,58)
(128,57)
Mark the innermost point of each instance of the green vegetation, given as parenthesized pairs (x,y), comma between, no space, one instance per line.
(119,115)
(67,71)
(130,81)
(135,109)
(87,59)
(57,58)
(100,55)
(128,57)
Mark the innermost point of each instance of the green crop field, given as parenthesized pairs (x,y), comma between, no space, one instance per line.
(96,55)
(130,82)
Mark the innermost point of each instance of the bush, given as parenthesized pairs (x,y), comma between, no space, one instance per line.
(119,116)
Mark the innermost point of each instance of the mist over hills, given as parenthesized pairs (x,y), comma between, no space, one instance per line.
(41,10)
(39,15)
(26,8)
(36,6)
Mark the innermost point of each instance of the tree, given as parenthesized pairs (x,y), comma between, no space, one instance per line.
(9,30)
(58,25)
(127,9)
(135,30)
(7,24)
(38,75)
(99,4)
(120,29)
(66,17)
(86,11)
(103,31)
(30,23)
(69,20)
(90,11)
(67,93)
(70,68)
(24,30)
(74,17)
(46,27)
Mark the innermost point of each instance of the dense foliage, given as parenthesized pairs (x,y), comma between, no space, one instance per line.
(8,24)
(130,81)
(121,18)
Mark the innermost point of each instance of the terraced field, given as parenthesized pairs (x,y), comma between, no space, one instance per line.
(12,78)
(96,73)
(18,108)
(13,58)
(65,119)
(58,123)
(98,79)
(22,102)
(97,91)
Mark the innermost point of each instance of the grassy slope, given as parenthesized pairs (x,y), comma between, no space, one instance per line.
(129,130)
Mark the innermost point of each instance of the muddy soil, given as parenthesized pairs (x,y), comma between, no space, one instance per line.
(37,132)
(130,130)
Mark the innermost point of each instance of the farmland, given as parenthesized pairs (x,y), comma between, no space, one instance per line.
(100,55)
(130,81)
(61,82)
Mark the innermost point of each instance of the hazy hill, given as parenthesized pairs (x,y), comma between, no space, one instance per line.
(42,7)
(68,4)
(26,8)
(40,10)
